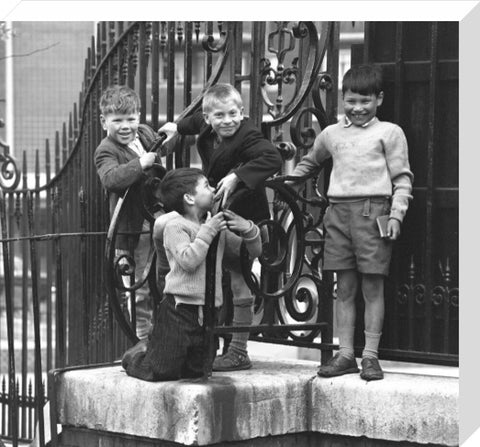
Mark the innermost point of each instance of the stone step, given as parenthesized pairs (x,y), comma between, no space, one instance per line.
(274,398)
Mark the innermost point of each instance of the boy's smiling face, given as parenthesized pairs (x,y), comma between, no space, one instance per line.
(225,118)
(360,109)
(122,127)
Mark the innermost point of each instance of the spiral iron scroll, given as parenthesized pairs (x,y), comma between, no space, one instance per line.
(297,294)
(9,173)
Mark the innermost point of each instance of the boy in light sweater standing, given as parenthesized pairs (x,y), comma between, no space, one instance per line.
(370,177)
(175,349)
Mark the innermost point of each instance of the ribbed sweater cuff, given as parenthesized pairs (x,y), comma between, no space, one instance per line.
(251,233)
(397,215)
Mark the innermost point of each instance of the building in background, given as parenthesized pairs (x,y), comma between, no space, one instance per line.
(41,71)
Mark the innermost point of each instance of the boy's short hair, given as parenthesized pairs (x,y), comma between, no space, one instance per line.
(363,79)
(175,184)
(220,93)
(119,99)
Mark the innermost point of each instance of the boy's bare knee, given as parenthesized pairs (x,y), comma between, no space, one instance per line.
(372,287)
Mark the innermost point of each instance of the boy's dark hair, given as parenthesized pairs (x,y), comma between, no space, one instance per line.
(220,93)
(119,99)
(363,79)
(175,184)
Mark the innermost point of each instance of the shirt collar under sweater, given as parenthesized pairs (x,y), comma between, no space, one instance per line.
(348,123)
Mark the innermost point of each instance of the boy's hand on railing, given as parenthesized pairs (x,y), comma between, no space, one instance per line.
(226,186)
(237,223)
(147,160)
(216,222)
(169,129)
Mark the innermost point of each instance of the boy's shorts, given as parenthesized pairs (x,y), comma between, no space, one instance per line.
(352,238)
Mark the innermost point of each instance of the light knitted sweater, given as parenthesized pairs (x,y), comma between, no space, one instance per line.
(368,161)
(186,246)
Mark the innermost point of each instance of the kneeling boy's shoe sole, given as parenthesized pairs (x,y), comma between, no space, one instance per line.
(371,369)
(127,357)
(231,362)
(338,366)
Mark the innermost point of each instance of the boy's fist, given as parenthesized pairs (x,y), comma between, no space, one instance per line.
(393,229)
(217,222)
(236,223)
(147,160)
(169,129)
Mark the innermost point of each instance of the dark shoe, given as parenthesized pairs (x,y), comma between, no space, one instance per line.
(338,366)
(127,357)
(231,361)
(371,369)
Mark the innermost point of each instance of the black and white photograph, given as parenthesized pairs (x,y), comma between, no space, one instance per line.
(238,231)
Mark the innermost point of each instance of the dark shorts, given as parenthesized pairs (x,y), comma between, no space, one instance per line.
(175,349)
(352,238)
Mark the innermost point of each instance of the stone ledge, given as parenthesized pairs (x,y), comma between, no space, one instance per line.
(273,398)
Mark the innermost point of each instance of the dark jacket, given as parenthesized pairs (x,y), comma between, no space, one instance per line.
(247,153)
(119,168)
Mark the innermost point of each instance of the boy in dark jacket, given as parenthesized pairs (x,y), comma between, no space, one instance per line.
(122,161)
(234,154)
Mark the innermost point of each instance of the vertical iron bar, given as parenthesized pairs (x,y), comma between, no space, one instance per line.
(25,290)
(64,143)
(209,308)
(4,401)
(236,28)
(431,140)
(12,395)
(39,400)
(84,267)
(170,81)
(187,83)
(331,100)
(155,74)
(57,152)
(128,61)
(142,69)
(257,51)
(447,277)
(209,57)
(48,212)
(60,352)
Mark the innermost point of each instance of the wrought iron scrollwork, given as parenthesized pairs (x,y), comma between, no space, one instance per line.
(9,173)
(209,43)
(281,42)
(297,291)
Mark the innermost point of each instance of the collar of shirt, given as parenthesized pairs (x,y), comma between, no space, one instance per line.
(136,146)
(348,123)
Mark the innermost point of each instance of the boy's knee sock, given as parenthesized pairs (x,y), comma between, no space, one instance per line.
(372,340)
(242,316)
(345,339)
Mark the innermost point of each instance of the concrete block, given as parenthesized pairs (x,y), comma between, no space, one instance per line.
(274,398)
(402,407)
(269,399)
